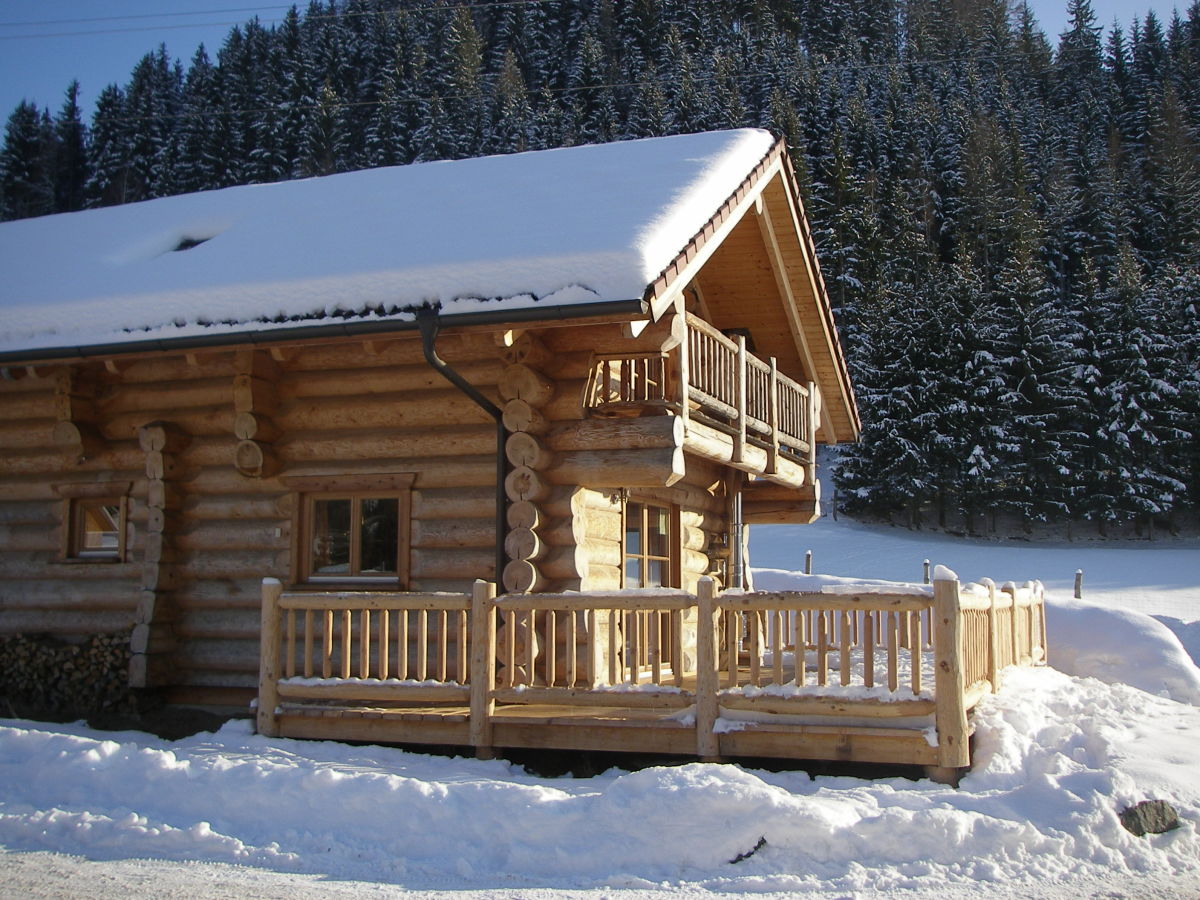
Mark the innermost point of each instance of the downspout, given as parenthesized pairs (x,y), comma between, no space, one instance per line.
(429,322)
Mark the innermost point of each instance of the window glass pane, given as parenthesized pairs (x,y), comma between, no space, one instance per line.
(99,528)
(633,528)
(633,573)
(658,531)
(656,573)
(331,537)
(380,533)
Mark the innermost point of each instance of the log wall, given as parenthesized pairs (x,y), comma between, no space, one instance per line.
(211,512)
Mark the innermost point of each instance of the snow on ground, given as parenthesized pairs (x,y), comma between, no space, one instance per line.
(1057,756)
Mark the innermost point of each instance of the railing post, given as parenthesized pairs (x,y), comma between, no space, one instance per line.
(483,666)
(1041,607)
(994,667)
(685,374)
(268,661)
(773,417)
(810,433)
(950,713)
(739,437)
(707,743)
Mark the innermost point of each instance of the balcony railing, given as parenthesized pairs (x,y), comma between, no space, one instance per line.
(715,378)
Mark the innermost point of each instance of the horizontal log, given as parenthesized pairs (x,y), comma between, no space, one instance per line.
(210,420)
(164,397)
(453,503)
(717,446)
(523,483)
(394,443)
(454,532)
(402,348)
(390,691)
(413,378)
(523,543)
(602,578)
(772,600)
(30,538)
(658,599)
(70,595)
(827,706)
(765,503)
(436,562)
(390,410)
(599,434)
(521,382)
(19,512)
(523,449)
(37,565)
(64,623)
(523,576)
(213,535)
(431,472)
(25,406)
(523,514)
(619,468)
(373,600)
(520,416)
(250,426)
(28,434)
(239,564)
(581,697)
(237,506)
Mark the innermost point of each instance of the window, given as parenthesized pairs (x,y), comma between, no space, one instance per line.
(95,521)
(651,545)
(353,530)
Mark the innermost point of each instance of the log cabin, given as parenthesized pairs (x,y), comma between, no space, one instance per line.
(575,370)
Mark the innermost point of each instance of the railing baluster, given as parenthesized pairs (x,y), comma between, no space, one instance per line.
(573,650)
(822,649)
(364,644)
(551,642)
(892,651)
(422,645)
(289,669)
(347,635)
(868,643)
(530,645)
(914,653)
(442,645)
(327,640)
(462,673)
(844,648)
(308,643)
(402,645)
(385,643)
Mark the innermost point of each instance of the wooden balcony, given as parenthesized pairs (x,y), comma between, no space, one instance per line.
(737,409)
(846,675)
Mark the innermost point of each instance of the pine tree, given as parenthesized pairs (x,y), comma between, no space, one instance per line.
(70,172)
(25,179)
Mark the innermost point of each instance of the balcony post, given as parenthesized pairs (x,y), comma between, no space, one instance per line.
(810,433)
(707,709)
(482,676)
(773,418)
(950,711)
(685,365)
(739,437)
(266,722)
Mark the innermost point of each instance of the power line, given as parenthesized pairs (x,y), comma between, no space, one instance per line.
(164,15)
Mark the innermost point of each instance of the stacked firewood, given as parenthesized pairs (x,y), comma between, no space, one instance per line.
(43,674)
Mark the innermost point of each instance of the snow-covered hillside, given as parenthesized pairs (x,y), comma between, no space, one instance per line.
(1057,756)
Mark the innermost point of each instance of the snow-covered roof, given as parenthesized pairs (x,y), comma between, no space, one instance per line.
(549,228)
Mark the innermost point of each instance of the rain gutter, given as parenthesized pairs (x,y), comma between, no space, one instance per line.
(265,337)
(429,322)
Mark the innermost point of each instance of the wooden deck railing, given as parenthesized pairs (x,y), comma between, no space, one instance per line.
(719,379)
(907,660)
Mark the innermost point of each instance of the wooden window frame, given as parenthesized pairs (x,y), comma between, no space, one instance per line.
(355,488)
(79,497)
(674,541)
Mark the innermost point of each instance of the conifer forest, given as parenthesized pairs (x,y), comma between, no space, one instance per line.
(1008,224)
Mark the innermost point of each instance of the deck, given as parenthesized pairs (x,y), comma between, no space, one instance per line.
(853,674)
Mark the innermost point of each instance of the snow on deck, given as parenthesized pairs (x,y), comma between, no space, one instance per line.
(554,227)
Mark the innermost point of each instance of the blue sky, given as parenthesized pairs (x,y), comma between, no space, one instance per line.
(38,60)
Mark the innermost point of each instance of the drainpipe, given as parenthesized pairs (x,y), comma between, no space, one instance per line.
(738,578)
(429,322)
